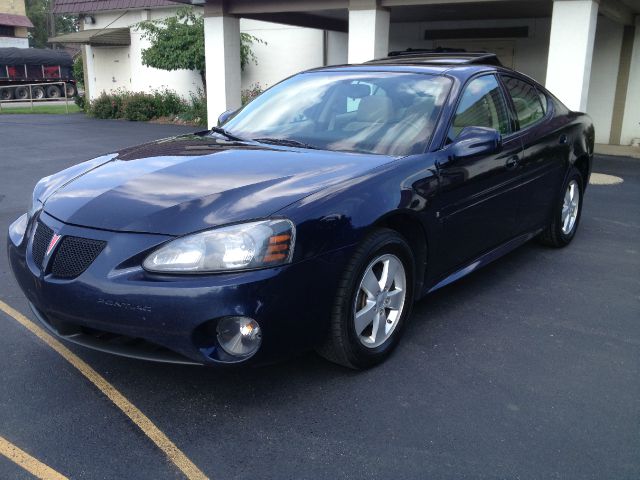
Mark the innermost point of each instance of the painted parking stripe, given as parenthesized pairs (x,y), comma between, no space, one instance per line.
(32,465)
(179,459)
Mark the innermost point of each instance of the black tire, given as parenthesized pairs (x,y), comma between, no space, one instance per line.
(37,92)
(554,235)
(53,91)
(71,90)
(21,93)
(6,93)
(342,344)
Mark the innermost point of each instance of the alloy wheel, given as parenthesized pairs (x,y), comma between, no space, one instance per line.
(570,206)
(380,300)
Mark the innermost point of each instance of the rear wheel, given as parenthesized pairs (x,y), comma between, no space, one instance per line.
(37,92)
(566,215)
(6,93)
(53,91)
(71,90)
(373,302)
(21,93)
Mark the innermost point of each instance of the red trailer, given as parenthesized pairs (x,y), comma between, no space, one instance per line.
(28,66)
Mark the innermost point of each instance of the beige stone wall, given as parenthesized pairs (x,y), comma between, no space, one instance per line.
(14,7)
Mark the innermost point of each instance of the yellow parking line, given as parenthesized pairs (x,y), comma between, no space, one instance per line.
(32,465)
(179,459)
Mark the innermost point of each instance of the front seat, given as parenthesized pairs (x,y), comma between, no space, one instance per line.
(373,111)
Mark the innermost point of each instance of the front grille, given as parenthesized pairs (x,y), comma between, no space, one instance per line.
(41,240)
(74,255)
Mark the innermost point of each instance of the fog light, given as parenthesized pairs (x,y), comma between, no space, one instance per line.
(239,336)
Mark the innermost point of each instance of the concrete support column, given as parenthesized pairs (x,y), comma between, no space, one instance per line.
(90,91)
(222,50)
(573,28)
(631,121)
(368,31)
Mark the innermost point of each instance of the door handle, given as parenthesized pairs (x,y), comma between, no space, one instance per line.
(563,139)
(512,162)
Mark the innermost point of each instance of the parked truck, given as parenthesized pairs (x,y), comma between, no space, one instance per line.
(30,72)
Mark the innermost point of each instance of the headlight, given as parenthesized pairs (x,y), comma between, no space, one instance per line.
(265,243)
(18,228)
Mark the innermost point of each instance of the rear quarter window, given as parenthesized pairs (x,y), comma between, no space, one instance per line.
(527,100)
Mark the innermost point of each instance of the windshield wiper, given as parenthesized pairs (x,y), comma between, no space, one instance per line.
(230,136)
(287,142)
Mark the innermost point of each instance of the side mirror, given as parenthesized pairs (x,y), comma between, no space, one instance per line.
(476,141)
(226,116)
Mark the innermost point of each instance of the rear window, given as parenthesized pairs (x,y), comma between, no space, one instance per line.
(526,100)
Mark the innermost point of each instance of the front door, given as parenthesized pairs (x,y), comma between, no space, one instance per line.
(478,197)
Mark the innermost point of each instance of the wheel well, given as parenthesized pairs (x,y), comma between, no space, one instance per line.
(582,164)
(414,234)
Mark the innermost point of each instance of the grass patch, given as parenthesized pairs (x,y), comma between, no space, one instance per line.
(55,109)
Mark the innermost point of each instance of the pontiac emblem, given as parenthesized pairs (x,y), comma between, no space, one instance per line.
(53,242)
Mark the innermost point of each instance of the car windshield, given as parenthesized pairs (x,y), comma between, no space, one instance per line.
(371,112)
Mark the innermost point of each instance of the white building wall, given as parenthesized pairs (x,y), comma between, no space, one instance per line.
(529,55)
(6,42)
(631,121)
(136,77)
(288,50)
(604,75)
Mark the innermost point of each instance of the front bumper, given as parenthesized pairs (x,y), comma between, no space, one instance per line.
(117,306)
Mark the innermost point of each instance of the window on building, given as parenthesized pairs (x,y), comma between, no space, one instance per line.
(526,99)
(482,105)
(7,31)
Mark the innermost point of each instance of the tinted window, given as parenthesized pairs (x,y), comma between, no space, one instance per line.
(526,100)
(482,105)
(385,113)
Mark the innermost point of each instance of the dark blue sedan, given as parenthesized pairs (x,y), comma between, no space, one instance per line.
(314,217)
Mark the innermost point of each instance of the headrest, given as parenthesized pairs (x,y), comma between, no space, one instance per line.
(356,90)
(375,109)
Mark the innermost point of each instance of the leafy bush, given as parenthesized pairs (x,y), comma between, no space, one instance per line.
(196,109)
(137,106)
(250,93)
(106,106)
(80,100)
(168,103)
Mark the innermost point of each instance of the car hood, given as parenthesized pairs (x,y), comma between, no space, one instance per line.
(189,183)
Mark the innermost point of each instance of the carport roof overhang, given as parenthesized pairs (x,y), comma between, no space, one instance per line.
(105,37)
(334,15)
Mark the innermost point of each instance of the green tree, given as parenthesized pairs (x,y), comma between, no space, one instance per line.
(38,12)
(177,43)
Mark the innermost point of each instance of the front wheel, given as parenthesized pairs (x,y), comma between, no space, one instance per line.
(373,302)
(566,214)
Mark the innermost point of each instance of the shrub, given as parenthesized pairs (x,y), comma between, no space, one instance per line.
(250,93)
(80,100)
(139,107)
(196,109)
(168,103)
(106,106)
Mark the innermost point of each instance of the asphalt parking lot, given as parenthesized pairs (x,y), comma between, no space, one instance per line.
(528,369)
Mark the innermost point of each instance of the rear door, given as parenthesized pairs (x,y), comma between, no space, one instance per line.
(545,151)
(478,197)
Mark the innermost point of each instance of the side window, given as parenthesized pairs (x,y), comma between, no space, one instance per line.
(526,99)
(482,105)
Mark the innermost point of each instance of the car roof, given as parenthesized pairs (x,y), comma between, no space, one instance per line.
(434,62)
